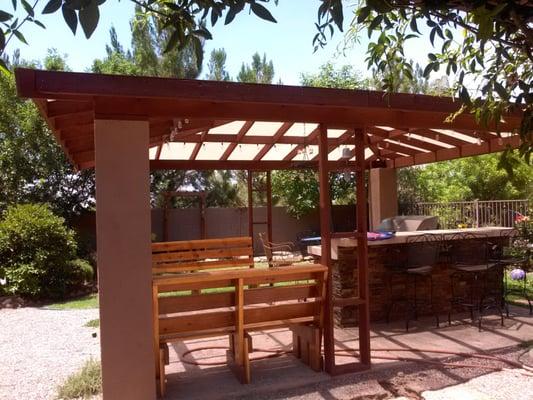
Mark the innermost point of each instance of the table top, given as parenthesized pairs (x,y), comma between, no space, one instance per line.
(401,237)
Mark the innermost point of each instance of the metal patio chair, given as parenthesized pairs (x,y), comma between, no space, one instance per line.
(279,254)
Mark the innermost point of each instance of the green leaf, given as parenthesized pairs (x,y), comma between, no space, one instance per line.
(428,70)
(4,16)
(414,26)
(375,22)
(198,51)
(233,10)
(204,33)
(337,14)
(172,41)
(465,96)
(39,23)
(501,90)
(52,6)
(3,68)
(28,8)
(214,16)
(262,12)
(70,17)
(432,36)
(2,39)
(89,17)
(364,12)
(20,36)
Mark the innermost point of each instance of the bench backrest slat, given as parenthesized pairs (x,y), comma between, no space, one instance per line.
(193,255)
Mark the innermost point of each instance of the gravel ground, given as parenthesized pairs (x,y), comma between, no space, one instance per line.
(40,348)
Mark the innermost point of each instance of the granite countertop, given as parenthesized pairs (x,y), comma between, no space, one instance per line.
(401,237)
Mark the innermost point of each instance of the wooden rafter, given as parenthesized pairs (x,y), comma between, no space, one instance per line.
(338,142)
(309,139)
(275,139)
(439,137)
(240,135)
(71,102)
(197,147)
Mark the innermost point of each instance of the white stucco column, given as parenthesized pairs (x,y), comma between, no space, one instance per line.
(383,195)
(124,259)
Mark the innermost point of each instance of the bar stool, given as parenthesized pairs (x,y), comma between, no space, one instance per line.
(414,273)
(511,254)
(477,274)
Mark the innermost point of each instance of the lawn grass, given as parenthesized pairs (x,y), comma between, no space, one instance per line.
(83,384)
(93,323)
(515,290)
(81,303)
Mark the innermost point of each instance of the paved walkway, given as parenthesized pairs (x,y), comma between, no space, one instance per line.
(287,378)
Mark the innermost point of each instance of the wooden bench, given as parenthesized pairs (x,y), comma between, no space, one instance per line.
(236,302)
(196,255)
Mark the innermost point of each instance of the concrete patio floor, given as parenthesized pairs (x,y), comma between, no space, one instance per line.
(286,377)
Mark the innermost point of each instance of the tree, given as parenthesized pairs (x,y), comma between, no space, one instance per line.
(468,178)
(117,60)
(33,167)
(344,77)
(494,52)
(259,71)
(217,66)
(147,56)
(189,31)
(486,45)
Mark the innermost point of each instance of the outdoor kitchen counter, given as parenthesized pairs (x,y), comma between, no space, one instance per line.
(401,238)
(344,273)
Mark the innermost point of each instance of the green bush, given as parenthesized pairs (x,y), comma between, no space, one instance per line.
(38,253)
(79,272)
(83,384)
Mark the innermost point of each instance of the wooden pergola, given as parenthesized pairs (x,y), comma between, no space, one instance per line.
(124,126)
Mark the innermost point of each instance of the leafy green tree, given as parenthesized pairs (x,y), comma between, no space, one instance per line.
(486,45)
(179,24)
(494,50)
(33,167)
(469,178)
(148,56)
(222,190)
(345,77)
(117,60)
(259,71)
(217,66)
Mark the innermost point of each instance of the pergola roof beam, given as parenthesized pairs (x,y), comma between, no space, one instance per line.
(240,135)
(403,128)
(277,136)
(308,140)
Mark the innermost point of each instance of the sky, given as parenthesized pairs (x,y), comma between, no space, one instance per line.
(288,43)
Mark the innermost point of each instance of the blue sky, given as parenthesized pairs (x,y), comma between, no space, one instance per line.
(288,43)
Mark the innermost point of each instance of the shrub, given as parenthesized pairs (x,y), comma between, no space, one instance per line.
(79,272)
(37,252)
(83,384)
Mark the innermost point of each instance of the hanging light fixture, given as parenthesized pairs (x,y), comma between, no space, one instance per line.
(346,153)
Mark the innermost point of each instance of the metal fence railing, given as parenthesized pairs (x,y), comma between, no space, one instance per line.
(475,213)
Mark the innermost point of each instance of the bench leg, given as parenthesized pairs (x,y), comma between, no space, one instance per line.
(163,359)
(238,357)
(306,342)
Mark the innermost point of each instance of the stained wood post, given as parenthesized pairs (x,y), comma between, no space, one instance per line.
(362,247)
(250,206)
(269,204)
(124,259)
(325,226)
